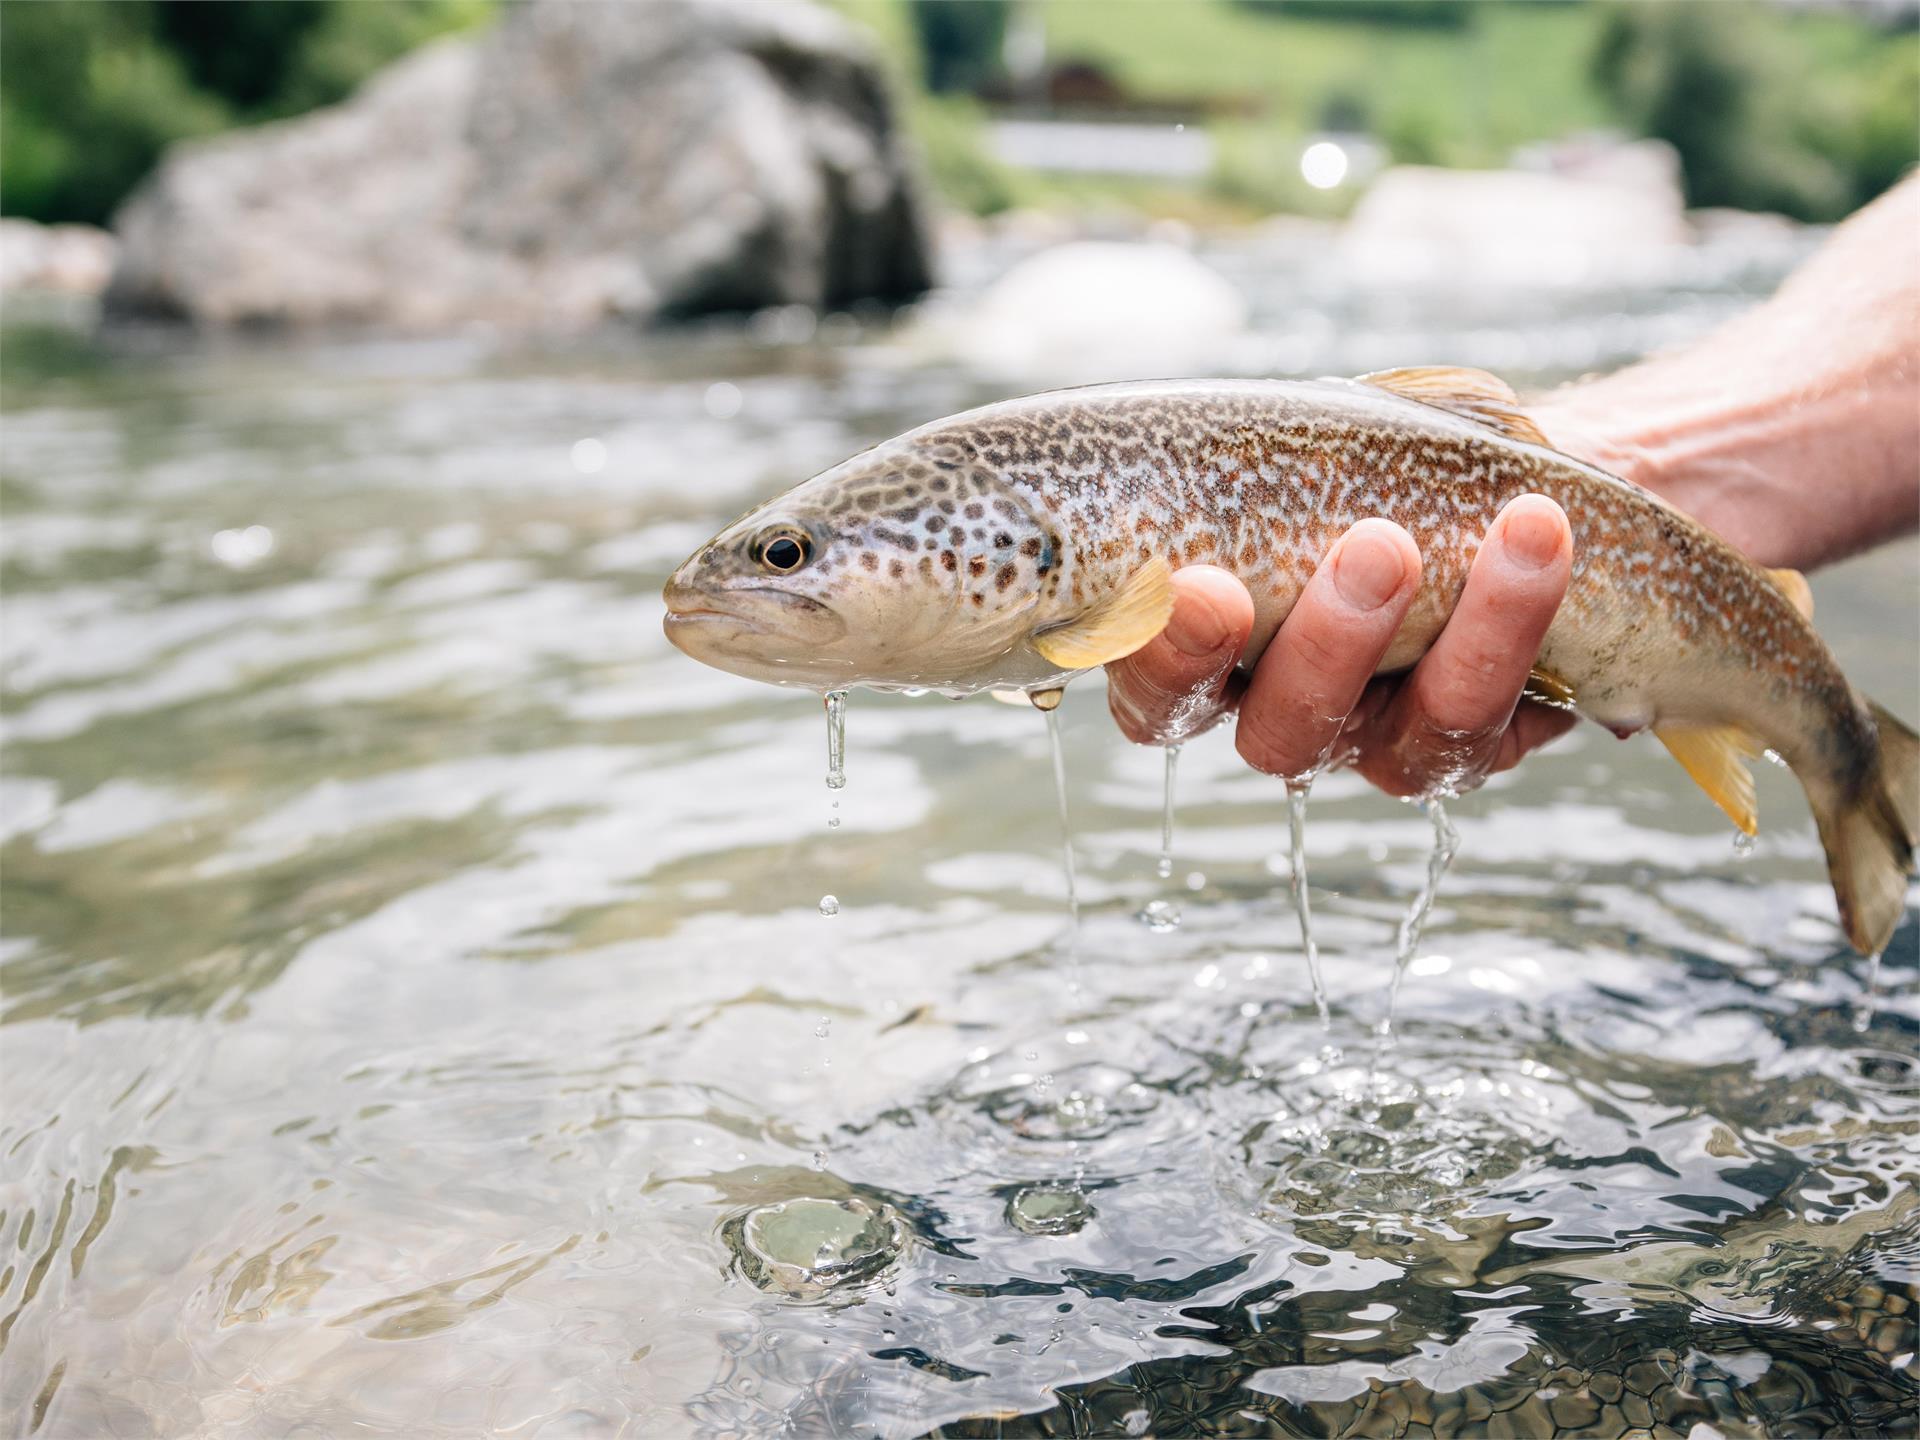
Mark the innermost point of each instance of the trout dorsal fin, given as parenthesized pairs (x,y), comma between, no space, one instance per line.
(1116,626)
(1484,398)
(1793,585)
(1717,758)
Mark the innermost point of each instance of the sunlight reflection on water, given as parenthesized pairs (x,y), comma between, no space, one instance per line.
(403,945)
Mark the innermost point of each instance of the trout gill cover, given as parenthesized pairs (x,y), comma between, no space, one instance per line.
(1019,544)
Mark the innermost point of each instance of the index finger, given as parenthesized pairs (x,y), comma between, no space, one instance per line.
(1176,685)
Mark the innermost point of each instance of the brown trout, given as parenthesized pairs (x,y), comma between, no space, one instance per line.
(1019,544)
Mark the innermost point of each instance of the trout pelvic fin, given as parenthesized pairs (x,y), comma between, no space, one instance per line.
(1793,585)
(1717,761)
(1116,626)
(1484,398)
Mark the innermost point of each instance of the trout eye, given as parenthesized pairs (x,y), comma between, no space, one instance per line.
(784,551)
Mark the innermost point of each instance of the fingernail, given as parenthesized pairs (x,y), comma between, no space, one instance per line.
(1367,569)
(1196,629)
(1531,535)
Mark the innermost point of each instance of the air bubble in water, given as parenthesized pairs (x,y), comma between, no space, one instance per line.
(829,905)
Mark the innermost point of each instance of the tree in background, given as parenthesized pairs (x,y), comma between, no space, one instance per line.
(960,41)
(1753,127)
(91,91)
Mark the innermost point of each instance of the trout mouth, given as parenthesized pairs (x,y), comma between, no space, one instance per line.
(698,618)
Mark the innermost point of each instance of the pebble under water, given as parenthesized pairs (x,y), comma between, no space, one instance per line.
(419,1019)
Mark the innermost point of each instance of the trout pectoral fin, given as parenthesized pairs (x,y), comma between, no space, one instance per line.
(1793,585)
(1717,761)
(1117,626)
(1549,689)
(1473,393)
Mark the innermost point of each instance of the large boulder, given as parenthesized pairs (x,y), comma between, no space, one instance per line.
(579,162)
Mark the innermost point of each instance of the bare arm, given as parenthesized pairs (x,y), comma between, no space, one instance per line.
(1794,431)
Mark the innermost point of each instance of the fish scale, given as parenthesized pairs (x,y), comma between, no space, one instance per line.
(1019,544)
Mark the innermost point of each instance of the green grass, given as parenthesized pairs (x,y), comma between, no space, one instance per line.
(1511,73)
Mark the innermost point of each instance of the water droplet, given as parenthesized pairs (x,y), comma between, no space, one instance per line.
(821,1030)
(808,1246)
(829,905)
(1049,1209)
(1742,845)
(820,1158)
(1160,916)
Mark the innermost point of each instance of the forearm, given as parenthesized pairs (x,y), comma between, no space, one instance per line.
(1795,430)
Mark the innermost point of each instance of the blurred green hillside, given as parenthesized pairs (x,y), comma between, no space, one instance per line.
(1810,114)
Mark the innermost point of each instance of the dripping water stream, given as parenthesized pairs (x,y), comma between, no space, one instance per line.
(1446,843)
(1869,1000)
(1297,832)
(1066,846)
(835,702)
(1165,867)
(1163,914)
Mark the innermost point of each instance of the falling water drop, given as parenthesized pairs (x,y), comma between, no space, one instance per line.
(1160,916)
(829,905)
(1446,842)
(1742,845)
(1297,830)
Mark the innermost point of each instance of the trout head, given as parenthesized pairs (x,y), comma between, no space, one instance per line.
(906,567)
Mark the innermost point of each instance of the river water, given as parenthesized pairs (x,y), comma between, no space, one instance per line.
(419,1005)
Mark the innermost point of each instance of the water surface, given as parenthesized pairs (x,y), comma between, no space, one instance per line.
(417,996)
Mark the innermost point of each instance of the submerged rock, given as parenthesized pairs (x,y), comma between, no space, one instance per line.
(576,163)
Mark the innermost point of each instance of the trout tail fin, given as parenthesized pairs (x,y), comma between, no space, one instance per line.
(1870,835)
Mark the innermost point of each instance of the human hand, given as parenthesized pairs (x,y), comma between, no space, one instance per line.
(1312,698)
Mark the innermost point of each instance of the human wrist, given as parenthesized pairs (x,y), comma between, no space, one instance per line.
(1699,461)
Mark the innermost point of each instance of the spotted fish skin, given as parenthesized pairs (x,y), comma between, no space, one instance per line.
(954,553)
